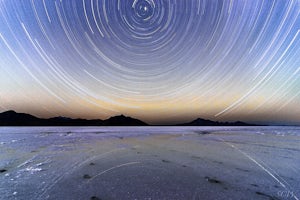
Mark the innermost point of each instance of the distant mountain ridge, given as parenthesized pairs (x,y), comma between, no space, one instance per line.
(12,118)
(205,122)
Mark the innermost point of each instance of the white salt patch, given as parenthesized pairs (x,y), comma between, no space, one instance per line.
(43,163)
(25,163)
(19,175)
(33,170)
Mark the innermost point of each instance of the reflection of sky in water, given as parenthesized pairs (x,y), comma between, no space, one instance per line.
(47,157)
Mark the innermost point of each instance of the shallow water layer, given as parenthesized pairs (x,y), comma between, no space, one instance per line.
(149,163)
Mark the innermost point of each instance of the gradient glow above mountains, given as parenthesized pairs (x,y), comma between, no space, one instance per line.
(157,60)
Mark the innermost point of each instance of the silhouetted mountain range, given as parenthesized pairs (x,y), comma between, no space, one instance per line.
(205,122)
(12,118)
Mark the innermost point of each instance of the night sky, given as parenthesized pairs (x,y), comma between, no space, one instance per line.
(162,61)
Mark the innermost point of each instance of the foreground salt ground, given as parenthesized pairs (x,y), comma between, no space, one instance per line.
(150,163)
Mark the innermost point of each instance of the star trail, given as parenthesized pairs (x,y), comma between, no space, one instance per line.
(158,60)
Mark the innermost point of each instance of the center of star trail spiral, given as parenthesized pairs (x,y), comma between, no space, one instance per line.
(147,39)
(144,39)
(215,57)
(144,9)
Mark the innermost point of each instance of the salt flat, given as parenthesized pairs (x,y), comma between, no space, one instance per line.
(150,163)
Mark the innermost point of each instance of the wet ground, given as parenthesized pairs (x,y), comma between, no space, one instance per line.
(150,163)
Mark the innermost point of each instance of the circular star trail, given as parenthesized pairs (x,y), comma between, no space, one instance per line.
(219,59)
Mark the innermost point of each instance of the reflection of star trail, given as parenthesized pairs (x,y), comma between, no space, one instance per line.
(197,58)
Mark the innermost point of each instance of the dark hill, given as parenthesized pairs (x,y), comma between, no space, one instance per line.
(11,118)
(122,120)
(205,122)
